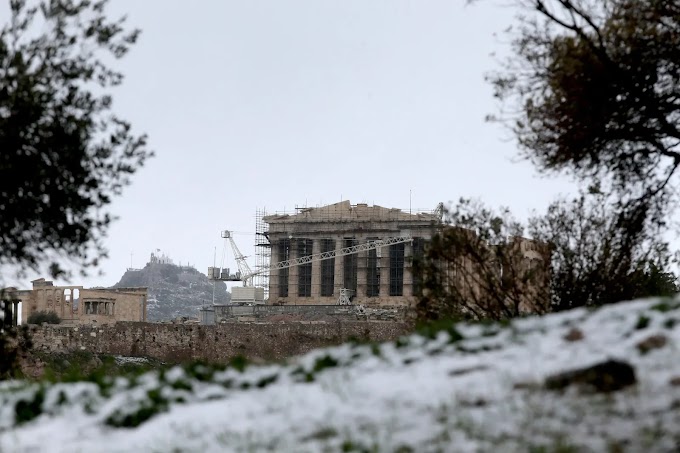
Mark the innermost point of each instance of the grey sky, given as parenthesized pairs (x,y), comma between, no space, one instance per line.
(276,103)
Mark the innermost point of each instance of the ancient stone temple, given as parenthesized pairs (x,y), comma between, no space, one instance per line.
(381,276)
(79,305)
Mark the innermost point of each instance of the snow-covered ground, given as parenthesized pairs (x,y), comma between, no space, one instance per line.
(482,392)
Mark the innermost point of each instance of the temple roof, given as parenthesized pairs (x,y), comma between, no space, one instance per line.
(344,210)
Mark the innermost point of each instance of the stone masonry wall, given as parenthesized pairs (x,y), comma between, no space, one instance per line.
(180,342)
(79,305)
(288,313)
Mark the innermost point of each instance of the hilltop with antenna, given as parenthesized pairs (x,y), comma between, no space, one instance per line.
(173,290)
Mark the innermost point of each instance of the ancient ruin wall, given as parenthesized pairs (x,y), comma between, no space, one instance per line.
(181,342)
(79,305)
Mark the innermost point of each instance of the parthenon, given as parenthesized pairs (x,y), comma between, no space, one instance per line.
(382,276)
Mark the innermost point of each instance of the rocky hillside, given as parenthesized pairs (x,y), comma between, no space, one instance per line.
(174,291)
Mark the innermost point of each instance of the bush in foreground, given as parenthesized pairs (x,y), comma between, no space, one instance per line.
(39,317)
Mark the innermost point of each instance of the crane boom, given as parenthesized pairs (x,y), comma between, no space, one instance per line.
(241,263)
(339,252)
(246,274)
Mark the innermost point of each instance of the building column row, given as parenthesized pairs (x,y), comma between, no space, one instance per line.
(362,269)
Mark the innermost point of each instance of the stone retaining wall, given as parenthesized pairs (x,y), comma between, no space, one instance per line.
(217,314)
(180,342)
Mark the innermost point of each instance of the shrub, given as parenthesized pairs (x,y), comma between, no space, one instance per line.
(39,317)
(13,344)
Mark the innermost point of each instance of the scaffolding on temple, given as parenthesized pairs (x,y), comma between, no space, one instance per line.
(263,251)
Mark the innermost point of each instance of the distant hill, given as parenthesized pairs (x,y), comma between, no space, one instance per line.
(173,290)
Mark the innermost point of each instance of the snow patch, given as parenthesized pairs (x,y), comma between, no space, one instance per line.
(122,360)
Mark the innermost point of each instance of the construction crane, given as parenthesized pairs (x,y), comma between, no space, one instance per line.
(245,274)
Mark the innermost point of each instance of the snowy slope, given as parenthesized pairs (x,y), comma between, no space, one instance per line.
(482,392)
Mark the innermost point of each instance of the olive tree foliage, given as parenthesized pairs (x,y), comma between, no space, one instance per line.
(593,89)
(475,268)
(43,316)
(65,154)
(597,259)
(579,253)
(14,343)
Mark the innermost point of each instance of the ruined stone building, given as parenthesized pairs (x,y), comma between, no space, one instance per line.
(466,275)
(9,310)
(78,305)
(376,277)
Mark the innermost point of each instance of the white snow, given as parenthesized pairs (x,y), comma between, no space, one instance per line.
(483,393)
(121,359)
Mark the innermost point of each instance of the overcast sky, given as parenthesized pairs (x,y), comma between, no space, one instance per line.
(276,104)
